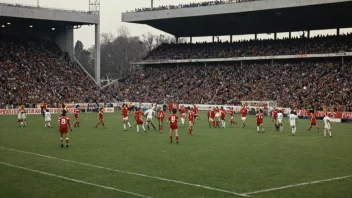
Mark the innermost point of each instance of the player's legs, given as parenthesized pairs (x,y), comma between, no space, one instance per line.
(161,128)
(262,126)
(176,133)
(170,135)
(183,119)
(190,124)
(124,124)
(243,122)
(67,139)
(258,127)
(99,122)
(61,139)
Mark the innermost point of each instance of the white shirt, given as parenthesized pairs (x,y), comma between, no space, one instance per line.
(280,116)
(149,113)
(326,120)
(292,118)
(47,115)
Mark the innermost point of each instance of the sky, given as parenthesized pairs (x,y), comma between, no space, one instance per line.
(110,18)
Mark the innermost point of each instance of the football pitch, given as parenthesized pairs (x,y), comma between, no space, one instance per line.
(231,162)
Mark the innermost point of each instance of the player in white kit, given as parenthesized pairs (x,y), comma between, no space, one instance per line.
(293,118)
(47,117)
(149,113)
(327,126)
(280,117)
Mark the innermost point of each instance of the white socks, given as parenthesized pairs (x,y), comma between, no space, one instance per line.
(183,121)
(129,125)
(137,128)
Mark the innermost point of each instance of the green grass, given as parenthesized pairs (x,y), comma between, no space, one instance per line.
(232,159)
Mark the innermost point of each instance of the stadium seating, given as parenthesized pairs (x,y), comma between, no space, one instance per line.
(35,70)
(293,84)
(316,45)
(191,5)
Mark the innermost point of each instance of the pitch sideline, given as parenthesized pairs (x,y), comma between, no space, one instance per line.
(74,180)
(130,173)
(296,185)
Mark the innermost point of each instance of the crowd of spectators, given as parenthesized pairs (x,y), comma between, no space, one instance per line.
(32,71)
(192,5)
(299,84)
(316,45)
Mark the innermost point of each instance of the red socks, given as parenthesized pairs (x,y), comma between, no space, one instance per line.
(177,138)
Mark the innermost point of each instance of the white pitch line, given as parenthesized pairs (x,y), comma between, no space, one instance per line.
(131,173)
(295,185)
(75,180)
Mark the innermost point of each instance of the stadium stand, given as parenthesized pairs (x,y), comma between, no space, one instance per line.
(316,45)
(191,5)
(300,84)
(35,70)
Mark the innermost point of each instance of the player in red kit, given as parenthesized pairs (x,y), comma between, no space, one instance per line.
(190,120)
(63,126)
(170,107)
(173,119)
(232,115)
(138,117)
(161,116)
(124,112)
(243,112)
(101,118)
(183,115)
(195,111)
(223,117)
(212,116)
(77,111)
(259,118)
(313,121)
(275,112)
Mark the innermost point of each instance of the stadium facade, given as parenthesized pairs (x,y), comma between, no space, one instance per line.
(253,17)
(55,25)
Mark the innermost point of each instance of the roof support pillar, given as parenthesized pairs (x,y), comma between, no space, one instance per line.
(97,53)
(152,3)
(176,39)
(213,39)
(289,35)
(230,38)
(308,33)
(190,39)
(275,36)
(338,31)
(256,36)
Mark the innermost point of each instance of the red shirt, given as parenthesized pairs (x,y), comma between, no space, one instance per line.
(195,110)
(223,113)
(77,111)
(191,116)
(64,121)
(101,114)
(313,119)
(138,115)
(173,119)
(243,112)
(124,112)
(161,115)
(232,112)
(275,114)
(259,117)
(212,114)
(170,106)
(182,110)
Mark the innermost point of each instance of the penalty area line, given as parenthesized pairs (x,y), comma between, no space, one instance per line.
(296,185)
(130,173)
(75,180)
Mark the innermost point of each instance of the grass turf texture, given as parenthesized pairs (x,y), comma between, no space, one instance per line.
(233,159)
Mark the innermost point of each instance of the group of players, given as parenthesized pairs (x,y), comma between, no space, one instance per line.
(216,119)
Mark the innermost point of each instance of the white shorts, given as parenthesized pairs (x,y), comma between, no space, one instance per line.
(327,126)
(279,121)
(244,118)
(125,119)
(47,119)
(231,117)
(183,115)
(149,119)
(217,115)
(217,118)
(24,117)
(211,120)
(190,123)
(19,116)
(293,123)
